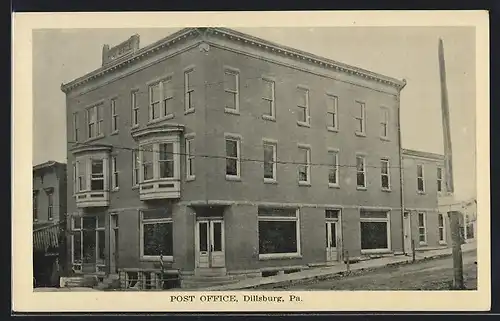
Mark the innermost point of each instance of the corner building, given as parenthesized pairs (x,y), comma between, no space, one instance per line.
(218,155)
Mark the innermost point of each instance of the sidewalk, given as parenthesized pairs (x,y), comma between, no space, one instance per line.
(330,271)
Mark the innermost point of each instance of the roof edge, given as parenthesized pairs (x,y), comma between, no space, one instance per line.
(417,153)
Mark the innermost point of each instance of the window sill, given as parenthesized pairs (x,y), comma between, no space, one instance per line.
(135,187)
(386,190)
(190,178)
(304,183)
(385,139)
(88,140)
(134,126)
(303,124)
(156,258)
(231,111)
(158,120)
(420,193)
(443,243)
(376,251)
(360,134)
(114,133)
(290,256)
(422,243)
(332,129)
(269,117)
(115,189)
(233,178)
(360,188)
(189,111)
(331,185)
(270,181)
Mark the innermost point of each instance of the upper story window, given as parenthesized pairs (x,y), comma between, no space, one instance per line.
(94,121)
(333,170)
(114,116)
(304,168)
(233,146)
(35,206)
(360,119)
(439,179)
(268,98)
(420,178)
(160,99)
(97,175)
(332,113)
(76,126)
(384,123)
(385,177)
(135,168)
(91,173)
(159,159)
(190,169)
(269,160)
(50,205)
(360,172)
(188,90)
(303,113)
(231,90)
(135,109)
(166,160)
(114,173)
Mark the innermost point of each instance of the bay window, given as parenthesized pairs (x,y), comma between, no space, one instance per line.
(159,160)
(166,160)
(97,175)
(279,232)
(91,173)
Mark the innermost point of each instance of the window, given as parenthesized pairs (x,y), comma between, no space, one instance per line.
(156,234)
(88,242)
(439,179)
(232,157)
(332,113)
(147,162)
(82,182)
(188,91)
(385,176)
(159,160)
(35,206)
(135,109)
(441,228)
(420,178)
(190,169)
(75,177)
(114,116)
(269,161)
(135,168)
(360,172)
(231,89)
(94,121)
(375,230)
(333,170)
(384,123)
(279,232)
(76,127)
(422,228)
(360,119)
(114,171)
(268,98)
(304,168)
(97,176)
(160,99)
(303,107)
(50,205)
(166,160)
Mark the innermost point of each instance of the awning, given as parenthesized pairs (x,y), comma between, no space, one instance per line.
(46,237)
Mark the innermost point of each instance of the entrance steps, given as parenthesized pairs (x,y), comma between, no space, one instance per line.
(208,277)
(78,281)
(111,281)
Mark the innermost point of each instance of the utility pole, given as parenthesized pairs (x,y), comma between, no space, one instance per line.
(454,216)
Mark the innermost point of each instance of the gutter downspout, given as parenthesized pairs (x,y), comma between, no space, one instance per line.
(401,171)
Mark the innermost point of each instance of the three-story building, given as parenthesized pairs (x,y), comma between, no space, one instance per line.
(221,153)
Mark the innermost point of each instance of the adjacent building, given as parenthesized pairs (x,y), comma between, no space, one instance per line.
(49,212)
(216,153)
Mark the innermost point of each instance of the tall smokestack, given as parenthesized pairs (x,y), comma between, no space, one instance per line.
(446,121)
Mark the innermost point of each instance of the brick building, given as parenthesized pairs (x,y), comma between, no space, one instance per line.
(223,154)
(49,213)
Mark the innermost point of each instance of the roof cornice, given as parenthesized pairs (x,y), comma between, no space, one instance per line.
(420,154)
(238,37)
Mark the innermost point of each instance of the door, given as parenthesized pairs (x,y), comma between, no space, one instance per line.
(332,241)
(407,232)
(210,243)
(113,243)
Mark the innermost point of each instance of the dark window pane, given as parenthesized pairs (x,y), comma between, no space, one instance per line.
(277,237)
(217,236)
(373,235)
(166,151)
(420,184)
(102,247)
(373,214)
(385,181)
(97,185)
(332,213)
(203,237)
(419,170)
(89,246)
(156,213)
(77,222)
(360,179)
(230,99)
(158,239)
(77,251)
(333,236)
(166,169)
(101,219)
(89,222)
(441,234)
(332,176)
(284,212)
(421,220)
(231,148)
(231,166)
(440,220)
(97,166)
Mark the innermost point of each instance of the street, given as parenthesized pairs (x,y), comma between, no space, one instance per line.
(436,274)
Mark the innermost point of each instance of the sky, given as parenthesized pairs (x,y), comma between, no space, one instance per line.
(61,55)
